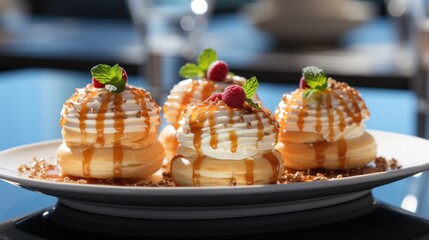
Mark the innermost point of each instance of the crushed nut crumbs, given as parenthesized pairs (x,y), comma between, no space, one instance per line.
(42,169)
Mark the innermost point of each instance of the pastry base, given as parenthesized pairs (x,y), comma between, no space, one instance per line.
(168,139)
(136,163)
(302,156)
(215,172)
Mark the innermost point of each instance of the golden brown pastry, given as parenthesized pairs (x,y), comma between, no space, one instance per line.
(322,125)
(110,129)
(225,142)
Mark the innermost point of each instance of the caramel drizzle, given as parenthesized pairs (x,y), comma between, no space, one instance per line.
(250,166)
(101,116)
(342,124)
(232,134)
(118,153)
(86,163)
(260,127)
(89,151)
(234,141)
(357,117)
(83,115)
(330,117)
(213,135)
(301,115)
(275,166)
(318,126)
(196,124)
(208,88)
(139,97)
(342,151)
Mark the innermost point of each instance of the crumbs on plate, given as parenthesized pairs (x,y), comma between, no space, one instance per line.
(44,170)
(380,164)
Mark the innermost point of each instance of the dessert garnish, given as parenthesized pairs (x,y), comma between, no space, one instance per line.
(313,80)
(215,97)
(235,96)
(208,66)
(113,78)
(217,71)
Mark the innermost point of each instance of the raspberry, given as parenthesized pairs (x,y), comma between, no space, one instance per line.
(214,97)
(97,84)
(124,75)
(234,96)
(303,83)
(217,71)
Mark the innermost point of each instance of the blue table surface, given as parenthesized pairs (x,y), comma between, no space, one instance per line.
(32,100)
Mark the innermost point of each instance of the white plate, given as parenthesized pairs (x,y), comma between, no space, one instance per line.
(217,202)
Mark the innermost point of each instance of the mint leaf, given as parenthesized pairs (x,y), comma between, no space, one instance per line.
(101,72)
(206,57)
(315,77)
(110,76)
(316,80)
(252,103)
(191,70)
(116,72)
(251,86)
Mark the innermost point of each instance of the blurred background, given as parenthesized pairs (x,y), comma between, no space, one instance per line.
(47,48)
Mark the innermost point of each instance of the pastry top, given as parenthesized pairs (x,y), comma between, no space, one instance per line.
(194,90)
(202,79)
(92,110)
(335,112)
(109,110)
(216,130)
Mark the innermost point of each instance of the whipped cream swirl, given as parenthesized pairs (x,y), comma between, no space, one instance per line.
(218,131)
(96,110)
(337,113)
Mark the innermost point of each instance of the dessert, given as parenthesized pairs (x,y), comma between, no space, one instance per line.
(227,140)
(322,125)
(110,129)
(209,76)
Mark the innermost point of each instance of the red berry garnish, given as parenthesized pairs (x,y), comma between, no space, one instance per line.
(218,70)
(234,96)
(214,97)
(97,84)
(124,75)
(303,83)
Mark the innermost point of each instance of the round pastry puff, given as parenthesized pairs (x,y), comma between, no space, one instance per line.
(168,139)
(342,154)
(135,163)
(262,168)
